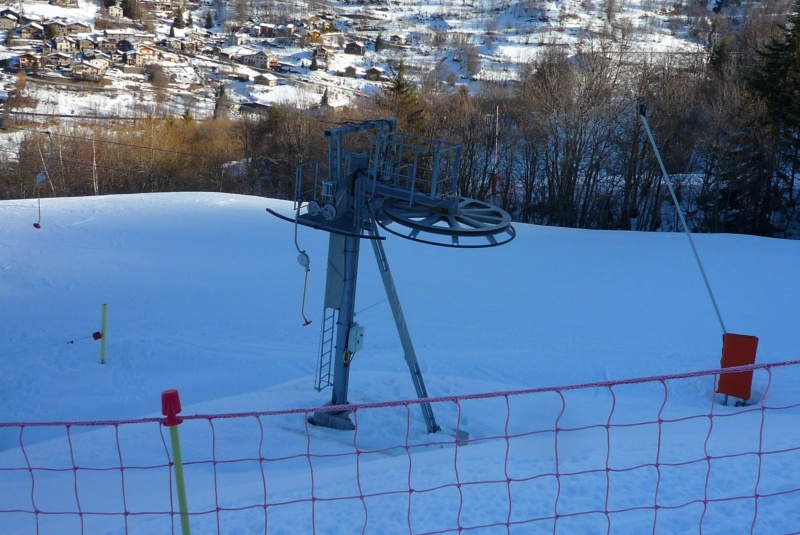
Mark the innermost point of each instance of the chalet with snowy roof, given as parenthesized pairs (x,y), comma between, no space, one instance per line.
(105,45)
(147,53)
(267,79)
(65,3)
(350,71)
(116,36)
(87,71)
(7,22)
(116,12)
(159,5)
(375,74)
(100,60)
(261,60)
(398,40)
(31,31)
(55,28)
(78,27)
(57,60)
(264,30)
(10,13)
(355,47)
(285,30)
(84,43)
(237,39)
(29,61)
(65,44)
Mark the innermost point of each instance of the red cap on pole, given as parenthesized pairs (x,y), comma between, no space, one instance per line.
(171,407)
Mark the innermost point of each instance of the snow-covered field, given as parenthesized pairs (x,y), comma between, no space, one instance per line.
(204,295)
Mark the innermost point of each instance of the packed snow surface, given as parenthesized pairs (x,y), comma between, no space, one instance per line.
(204,295)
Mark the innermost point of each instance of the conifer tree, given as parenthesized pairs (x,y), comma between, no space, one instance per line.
(401,99)
(178,20)
(776,79)
(209,22)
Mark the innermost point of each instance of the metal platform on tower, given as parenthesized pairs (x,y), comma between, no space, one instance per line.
(378,178)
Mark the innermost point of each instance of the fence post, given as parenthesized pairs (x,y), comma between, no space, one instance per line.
(171,407)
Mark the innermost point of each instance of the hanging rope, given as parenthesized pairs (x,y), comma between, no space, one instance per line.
(305,261)
(42,177)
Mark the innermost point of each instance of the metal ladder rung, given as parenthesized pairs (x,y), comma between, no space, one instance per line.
(326,346)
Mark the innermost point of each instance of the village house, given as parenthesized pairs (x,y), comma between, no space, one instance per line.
(261,60)
(355,47)
(55,28)
(29,62)
(375,74)
(105,45)
(31,31)
(191,46)
(266,30)
(57,60)
(86,44)
(159,5)
(65,3)
(350,71)
(78,27)
(65,44)
(86,71)
(115,36)
(10,13)
(7,22)
(267,79)
(146,54)
(397,40)
(285,30)
(115,12)
(100,60)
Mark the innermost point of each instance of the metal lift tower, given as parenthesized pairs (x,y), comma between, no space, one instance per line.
(407,185)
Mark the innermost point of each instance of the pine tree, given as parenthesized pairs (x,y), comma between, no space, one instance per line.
(401,99)
(776,78)
(178,20)
(209,21)
(189,21)
(379,42)
(314,64)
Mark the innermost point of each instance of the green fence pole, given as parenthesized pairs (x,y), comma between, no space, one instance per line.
(103,333)
(171,407)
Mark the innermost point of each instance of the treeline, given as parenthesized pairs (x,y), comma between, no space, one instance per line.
(564,139)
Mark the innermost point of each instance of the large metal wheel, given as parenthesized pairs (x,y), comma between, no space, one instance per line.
(467,223)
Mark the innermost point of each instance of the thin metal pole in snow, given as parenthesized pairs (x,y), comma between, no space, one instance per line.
(642,111)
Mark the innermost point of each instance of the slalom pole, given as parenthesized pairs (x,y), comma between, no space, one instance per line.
(642,112)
